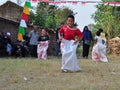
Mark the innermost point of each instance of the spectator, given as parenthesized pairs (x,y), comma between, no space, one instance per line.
(57,49)
(33,35)
(87,38)
(8,43)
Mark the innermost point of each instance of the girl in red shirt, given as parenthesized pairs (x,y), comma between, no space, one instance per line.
(69,36)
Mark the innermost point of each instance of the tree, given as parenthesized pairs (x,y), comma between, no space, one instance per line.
(31,18)
(50,22)
(49,16)
(107,18)
(61,15)
(45,15)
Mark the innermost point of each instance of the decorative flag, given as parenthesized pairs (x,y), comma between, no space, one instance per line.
(112,3)
(83,3)
(57,2)
(20,37)
(26,10)
(43,0)
(74,2)
(24,17)
(23,23)
(52,2)
(64,2)
(21,30)
(28,4)
(34,0)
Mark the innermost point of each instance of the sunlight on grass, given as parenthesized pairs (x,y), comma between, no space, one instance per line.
(33,74)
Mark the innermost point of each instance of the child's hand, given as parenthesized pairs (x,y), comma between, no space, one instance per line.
(76,39)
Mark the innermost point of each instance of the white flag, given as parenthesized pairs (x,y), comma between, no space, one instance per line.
(23,23)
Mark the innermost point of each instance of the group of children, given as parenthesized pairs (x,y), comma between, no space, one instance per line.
(69,44)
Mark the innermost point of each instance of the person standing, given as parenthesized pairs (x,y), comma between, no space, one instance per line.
(69,45)
(57,49)
(43,43)
(87,38)
(33,35)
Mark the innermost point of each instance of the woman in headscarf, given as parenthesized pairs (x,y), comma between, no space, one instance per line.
(87,38)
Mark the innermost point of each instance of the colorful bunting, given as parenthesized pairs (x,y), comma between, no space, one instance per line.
(43,0)
(34,0)
(23,23)
(24,19)
(26,10)
(112,2)
(75,2)
(28,4)
(21,30)
(52,2)
(83,3)
(20,37)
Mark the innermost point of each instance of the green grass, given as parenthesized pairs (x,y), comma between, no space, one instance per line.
(46,75)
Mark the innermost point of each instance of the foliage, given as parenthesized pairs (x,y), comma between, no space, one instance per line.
(93,28)
(50,22)
(61,15)
(49,16)
(31,18)
(45,15)
(107,17)
(39,20)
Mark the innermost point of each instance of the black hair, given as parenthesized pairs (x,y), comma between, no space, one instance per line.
(71,16)
(100,30)
(85,28)
(46,29)
(62,23)
(98,33)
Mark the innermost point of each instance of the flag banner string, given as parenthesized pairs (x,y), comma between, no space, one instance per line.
(73,2)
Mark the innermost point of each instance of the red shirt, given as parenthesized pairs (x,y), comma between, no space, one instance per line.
(69,34)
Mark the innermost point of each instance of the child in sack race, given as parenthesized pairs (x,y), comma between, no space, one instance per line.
(43,43)
(69,45)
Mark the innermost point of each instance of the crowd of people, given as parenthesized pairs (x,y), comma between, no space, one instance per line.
(67,41)
(34,44)
(11,48)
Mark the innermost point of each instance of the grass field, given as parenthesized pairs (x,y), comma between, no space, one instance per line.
(32,74)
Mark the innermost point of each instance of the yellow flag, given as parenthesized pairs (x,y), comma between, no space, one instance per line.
(26,10)
(20,37)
